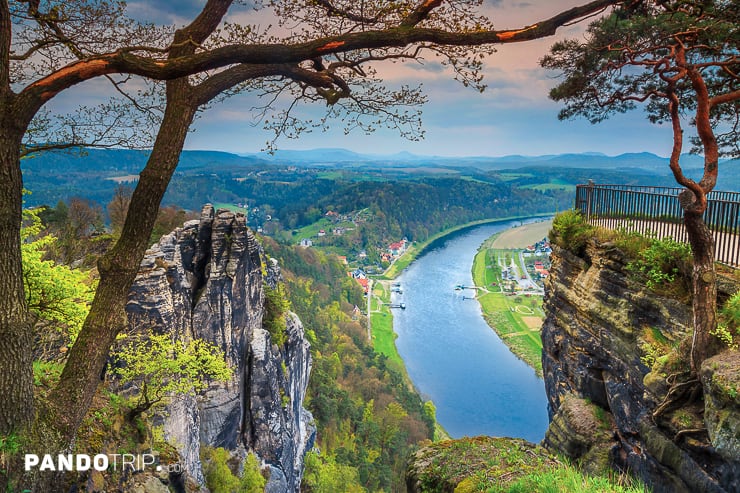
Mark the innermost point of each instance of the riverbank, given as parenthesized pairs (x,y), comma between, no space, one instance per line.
(418,248)
(384,338)
(516,318)
(380,316)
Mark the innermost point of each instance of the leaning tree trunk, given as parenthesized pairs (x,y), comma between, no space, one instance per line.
(704,290)
(16,337)
(16,330)
(118,268)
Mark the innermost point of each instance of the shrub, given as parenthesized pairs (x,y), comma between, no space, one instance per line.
(252,480)
(731,312)
(661,262)
(157,366)
(221,479)
(728,328)
(571,231)
(219,476)
(632,242)
(276,305)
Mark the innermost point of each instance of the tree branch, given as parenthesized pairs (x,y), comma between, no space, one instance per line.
(724,98)
(176,66)
(335,11)
(420,13)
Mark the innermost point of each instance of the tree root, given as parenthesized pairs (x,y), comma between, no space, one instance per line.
(679,393)
(689,431)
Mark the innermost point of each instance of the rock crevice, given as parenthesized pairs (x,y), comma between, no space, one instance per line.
(597,328)
(205,281)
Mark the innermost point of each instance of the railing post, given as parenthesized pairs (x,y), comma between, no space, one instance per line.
(589,199)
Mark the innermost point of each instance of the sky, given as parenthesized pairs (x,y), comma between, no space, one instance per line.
(513,116)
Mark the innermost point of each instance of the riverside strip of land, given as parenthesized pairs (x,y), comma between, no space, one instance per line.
(381,318)
(516,317)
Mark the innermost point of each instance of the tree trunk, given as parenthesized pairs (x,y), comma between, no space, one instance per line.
(118,268)
(16,336)
(704,290)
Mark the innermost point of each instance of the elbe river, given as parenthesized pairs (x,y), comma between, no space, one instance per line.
(453,357)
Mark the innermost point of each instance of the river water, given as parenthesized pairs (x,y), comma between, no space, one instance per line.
(453,357)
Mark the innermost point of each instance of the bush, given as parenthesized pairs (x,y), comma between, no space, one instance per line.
(661,262)
(571,231)
(221,479)
(731,312)
(728,329)
(157,366)
(276,305)
(219,476)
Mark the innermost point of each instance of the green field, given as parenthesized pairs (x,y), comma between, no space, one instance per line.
(508,315)
(312,230)
(381,321)
(231,207)
(554,185)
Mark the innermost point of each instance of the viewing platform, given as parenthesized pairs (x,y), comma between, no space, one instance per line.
(657,211)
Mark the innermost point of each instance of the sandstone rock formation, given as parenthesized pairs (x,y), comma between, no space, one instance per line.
(596,343)
(205,280)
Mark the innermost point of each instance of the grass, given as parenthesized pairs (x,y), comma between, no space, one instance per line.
(514,176)
(401,263)
(384,340)
(381,321)
(312,230)
(555,184)
(503,312)
(231,207)
(567,479)
(499,465)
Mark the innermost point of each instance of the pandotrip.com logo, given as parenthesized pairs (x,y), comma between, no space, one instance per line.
(98,462)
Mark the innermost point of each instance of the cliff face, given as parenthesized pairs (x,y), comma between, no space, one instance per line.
(597,339)
(205,280)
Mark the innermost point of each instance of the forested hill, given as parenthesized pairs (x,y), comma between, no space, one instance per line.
(207,176)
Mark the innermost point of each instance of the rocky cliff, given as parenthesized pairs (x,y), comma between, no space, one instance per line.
(607,360)
(205,280)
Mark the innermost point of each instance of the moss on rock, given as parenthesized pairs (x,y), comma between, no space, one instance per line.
(474,464)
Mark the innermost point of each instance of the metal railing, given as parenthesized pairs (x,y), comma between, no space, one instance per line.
(656,210)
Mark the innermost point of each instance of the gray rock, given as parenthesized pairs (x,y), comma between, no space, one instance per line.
(205,281)
(597,322)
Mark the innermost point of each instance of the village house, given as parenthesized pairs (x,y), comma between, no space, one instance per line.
(360,276)
(364,283)
(305,243)
(397,248)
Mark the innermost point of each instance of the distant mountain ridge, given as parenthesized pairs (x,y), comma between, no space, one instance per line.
(572,160)
(134,160)
(93,173)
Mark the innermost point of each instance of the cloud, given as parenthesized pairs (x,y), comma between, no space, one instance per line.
(513,116)
(163,12)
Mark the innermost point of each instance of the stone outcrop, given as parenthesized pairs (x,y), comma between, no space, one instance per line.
(474,464)
(720,377)
(205,280)
(597,338)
